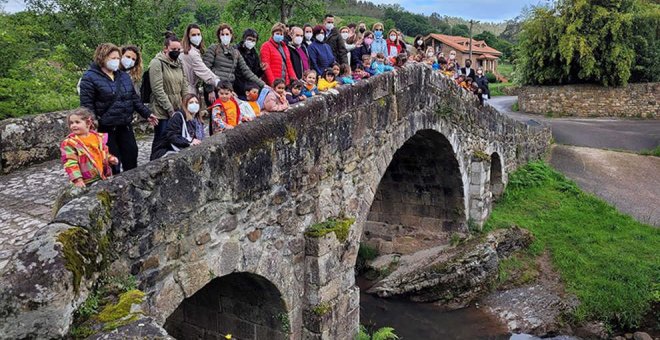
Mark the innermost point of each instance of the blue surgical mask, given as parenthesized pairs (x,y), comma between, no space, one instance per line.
(278,38)
(378,34)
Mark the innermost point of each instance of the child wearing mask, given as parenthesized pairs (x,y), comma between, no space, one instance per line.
(295,95)
(252,94)
(276,99)
(85,155)
(309,88)
(327,80)
(181,131)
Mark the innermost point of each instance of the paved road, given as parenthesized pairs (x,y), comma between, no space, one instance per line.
(26,201)
(606,133)
(626,180)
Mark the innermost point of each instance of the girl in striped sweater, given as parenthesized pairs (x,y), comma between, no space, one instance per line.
(85,155)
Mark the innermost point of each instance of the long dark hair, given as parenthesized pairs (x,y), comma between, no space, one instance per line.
(186,40)
(136,71)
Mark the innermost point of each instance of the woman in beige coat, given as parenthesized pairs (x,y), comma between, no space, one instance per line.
(197,73)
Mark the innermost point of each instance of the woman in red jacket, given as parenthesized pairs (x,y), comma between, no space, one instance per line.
(275,54)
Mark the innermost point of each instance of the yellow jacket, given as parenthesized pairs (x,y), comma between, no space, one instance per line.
(325,85)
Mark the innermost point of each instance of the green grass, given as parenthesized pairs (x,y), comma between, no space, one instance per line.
(653,152)
(607,259)
(515,107)
(496,88)
(506,70)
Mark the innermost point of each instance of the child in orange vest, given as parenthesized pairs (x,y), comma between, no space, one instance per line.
(85,155)
(225,111)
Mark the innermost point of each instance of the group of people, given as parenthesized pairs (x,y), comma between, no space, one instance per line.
(229,82)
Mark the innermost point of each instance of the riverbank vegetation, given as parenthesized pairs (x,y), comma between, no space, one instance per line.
(607,259)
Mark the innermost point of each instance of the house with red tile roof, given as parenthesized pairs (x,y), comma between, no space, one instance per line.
(482,54)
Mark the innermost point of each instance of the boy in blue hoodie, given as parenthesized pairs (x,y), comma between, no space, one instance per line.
(379,67)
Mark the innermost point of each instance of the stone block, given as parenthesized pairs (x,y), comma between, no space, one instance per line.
(320,270)
(319,246)
(315,295)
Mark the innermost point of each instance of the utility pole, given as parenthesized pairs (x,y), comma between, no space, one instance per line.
(471,22)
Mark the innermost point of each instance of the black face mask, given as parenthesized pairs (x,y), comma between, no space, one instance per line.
(174,55)
(468,64)
(362,29)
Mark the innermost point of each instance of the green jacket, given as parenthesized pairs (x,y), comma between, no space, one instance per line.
(226,62)
(168,85)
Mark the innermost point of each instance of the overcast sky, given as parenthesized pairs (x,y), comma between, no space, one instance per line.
(484,10)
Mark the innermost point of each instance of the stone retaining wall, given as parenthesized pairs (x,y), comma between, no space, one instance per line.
(632,101)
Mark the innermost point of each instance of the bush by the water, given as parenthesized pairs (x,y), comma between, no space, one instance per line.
(607,259)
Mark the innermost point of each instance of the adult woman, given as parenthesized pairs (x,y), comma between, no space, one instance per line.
(356,55)
(298,52)
(308,30)
(393,45)
(168,83)
(193,65)
(320,53)
(345,33)
(109,93)
(275,54)
(181,131)
(226,61)
(247,49)
(420,48)
(379,45)
(131,63)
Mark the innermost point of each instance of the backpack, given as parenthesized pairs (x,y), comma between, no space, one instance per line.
(145,88)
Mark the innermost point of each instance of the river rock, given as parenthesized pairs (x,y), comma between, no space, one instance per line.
(452,276)
(641,336)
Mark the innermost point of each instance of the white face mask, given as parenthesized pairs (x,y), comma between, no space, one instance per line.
(297,40)
(112,65)
(225,39)
(393,37)
(127,62)
(196,40)
(320,37)
(329,26)
(420,42)
(308,36)
(250,44)
(344,36)
(193,107)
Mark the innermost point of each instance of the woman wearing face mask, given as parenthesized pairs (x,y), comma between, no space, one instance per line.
(193,65)
(345,34)
(393,46)
(247,49)
(131,63)
(367,42)
(226,62)
(320,53)
(168,83)
(420,48)
(109,93)
(298,52)
(380,44)
(181,130)
(276,55)
(308,31)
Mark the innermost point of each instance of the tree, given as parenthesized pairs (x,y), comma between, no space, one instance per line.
(277,10)
(460,30)
(578,41)
(646,41)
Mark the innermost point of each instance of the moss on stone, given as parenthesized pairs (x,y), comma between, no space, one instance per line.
(116,314)
(291,134)
(339,226)
(321,309)
(80,251)
(481,156)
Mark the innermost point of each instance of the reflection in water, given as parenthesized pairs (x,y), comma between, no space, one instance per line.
(412,320)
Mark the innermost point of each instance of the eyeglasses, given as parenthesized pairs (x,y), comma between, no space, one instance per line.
(378,30)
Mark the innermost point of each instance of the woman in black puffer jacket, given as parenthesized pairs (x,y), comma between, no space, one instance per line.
(109,93)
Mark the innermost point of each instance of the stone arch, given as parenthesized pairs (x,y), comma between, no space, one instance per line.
(420,197)
(496,181)
(246,305)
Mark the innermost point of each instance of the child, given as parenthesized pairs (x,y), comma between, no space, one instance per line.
(379,67)
(345,76)
(295,92)
(181,131)
(252,94)
(401,59)
(85,155)
(327,80)
(366,62)
(360,73)
(276,99)
(310,88)
(225,112)
(336,69)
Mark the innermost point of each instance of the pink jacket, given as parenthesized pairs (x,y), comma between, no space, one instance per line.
(275,103)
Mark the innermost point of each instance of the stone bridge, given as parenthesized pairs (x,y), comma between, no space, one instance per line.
(218,235)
